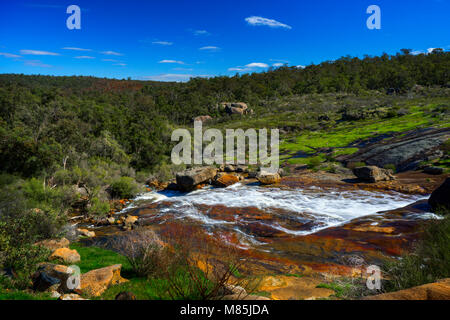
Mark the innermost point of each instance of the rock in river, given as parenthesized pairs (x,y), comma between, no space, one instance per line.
(187,180)
(373,174)
(440,198)
(268,178)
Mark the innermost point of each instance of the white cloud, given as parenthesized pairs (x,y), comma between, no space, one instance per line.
(163,43)
(249,67)
(110,60)
(210,48)
(84,57)
(112,53)
(257,65)
(9,55)
(300,67)
(171,61)
(260,21)
(278,64)
(120,64)
(76,49)
(37,63)
(200,32)
(38,53)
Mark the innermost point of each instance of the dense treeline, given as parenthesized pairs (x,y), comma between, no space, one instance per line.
(49,122)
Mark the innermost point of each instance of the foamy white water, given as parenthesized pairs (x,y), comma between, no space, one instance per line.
(329,208)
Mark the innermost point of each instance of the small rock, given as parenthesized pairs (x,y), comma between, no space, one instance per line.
(66,255)
(86,233)
(130,220)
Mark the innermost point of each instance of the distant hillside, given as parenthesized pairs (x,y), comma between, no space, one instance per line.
(44,119)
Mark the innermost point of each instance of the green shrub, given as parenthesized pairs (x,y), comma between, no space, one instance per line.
(314,162)
(20,228)
(124,188)
(98,207)
(428,263)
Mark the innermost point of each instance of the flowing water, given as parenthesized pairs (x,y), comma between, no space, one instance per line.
(257,212)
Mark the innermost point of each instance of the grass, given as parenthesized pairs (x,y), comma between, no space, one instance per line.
(96,258)
(22,295)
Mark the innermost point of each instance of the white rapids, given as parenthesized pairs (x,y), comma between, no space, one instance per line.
(328,207)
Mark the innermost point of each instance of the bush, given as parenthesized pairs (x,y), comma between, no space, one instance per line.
(124,188)
(98,207)
(429,262)
(144,252)
(314,162)
(20,228)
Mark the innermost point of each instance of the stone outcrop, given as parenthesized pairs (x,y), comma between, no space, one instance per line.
(440,198)
(268,178)
(373,174)
(95,282)
(187,180)
(289,287)
(433,291)
(66,255)
(405,152)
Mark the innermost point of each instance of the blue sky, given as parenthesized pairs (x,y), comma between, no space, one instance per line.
(174,40)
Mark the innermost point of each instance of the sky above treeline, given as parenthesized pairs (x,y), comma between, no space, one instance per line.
(174,40)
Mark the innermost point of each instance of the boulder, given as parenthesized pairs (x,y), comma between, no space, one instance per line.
(188,179)
(66,255)
(225,180)
(229,168)
(373,174)
(433,291)
(86,233)
(203,119)
(268,178)
(95,282)
(234,107)
(440,198)
(51,277)
(53,244)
